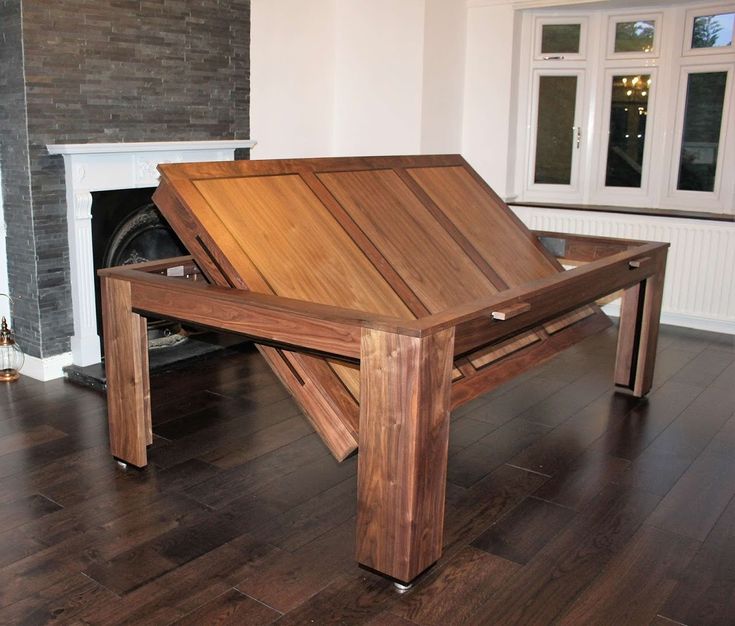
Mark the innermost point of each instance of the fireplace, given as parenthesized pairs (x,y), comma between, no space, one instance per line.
(93,168)
(128,228)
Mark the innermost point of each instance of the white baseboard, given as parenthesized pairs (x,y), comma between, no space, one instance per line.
(46,369)
(680,319)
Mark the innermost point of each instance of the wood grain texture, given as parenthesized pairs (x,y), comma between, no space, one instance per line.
(639,324)
(297,245)
(486,223)
(128,401)
(409,238)
(404,434)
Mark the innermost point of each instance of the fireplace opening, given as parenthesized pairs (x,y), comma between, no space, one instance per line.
(127,228)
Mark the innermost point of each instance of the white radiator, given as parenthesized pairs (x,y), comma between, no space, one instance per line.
(700,273)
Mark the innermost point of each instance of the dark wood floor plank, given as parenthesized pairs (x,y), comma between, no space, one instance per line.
(724,441)
(569,399)
(93,460)
(33,574)
(285,580)
(520,534)
(231,608)
(480,458)
(29,438)
(545,587)
(143,563)
(465,431)
(388,619)
(636,583)
(21,511)
(726,378)
(561,446)
(354,600)
(695,503)
(579,483)
(666,459)
(313,518)
(61,603)
(705,367)
(239,450)
(255,475)
(511,404)
(706,591)
(457,590)
(669,362)
(649,418)
(183,590)
(474,509)
(240,424)
(15,546)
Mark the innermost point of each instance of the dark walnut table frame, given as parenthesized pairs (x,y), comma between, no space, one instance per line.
(406,384)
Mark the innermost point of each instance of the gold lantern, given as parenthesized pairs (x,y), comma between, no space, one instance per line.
(11,356)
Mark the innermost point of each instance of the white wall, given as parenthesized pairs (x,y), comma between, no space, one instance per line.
(443,76)
(341,77)
(487,92)
(292,77)
(378,78)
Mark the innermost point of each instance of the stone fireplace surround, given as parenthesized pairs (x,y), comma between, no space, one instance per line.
(102,167)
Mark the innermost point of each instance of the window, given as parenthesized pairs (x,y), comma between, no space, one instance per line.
(632,109)
(627,130)
(700,139)
(712,31)
(633,35)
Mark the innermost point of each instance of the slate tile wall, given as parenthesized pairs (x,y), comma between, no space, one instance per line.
(102,70)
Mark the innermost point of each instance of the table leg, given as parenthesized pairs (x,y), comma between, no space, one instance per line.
(126,367)
(638,335)
(402,463)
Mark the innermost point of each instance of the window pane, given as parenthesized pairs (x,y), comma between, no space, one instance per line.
(700,140)
(627,137)
(554,129)
(634,36)
(713,31)
(560,38)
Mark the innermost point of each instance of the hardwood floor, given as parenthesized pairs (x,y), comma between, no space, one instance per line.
(566,503)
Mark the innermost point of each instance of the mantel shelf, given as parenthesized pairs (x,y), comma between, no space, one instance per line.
(147,146)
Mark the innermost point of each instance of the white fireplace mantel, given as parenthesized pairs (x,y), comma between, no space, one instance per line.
(91,167)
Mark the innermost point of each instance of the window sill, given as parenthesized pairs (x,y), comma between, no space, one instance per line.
(691,215)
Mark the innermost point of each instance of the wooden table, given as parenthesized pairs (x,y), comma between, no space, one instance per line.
(383,292)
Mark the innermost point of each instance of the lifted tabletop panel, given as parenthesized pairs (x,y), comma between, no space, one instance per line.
(403,237)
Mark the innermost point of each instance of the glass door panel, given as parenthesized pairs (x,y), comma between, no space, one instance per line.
(700,139)
(557,131)
(627,130)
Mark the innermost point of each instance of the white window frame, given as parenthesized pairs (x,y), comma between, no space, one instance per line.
(542,21)
(665,109)
(572,190)
(625,195)
(716,199)
(614,20)
(703,11)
